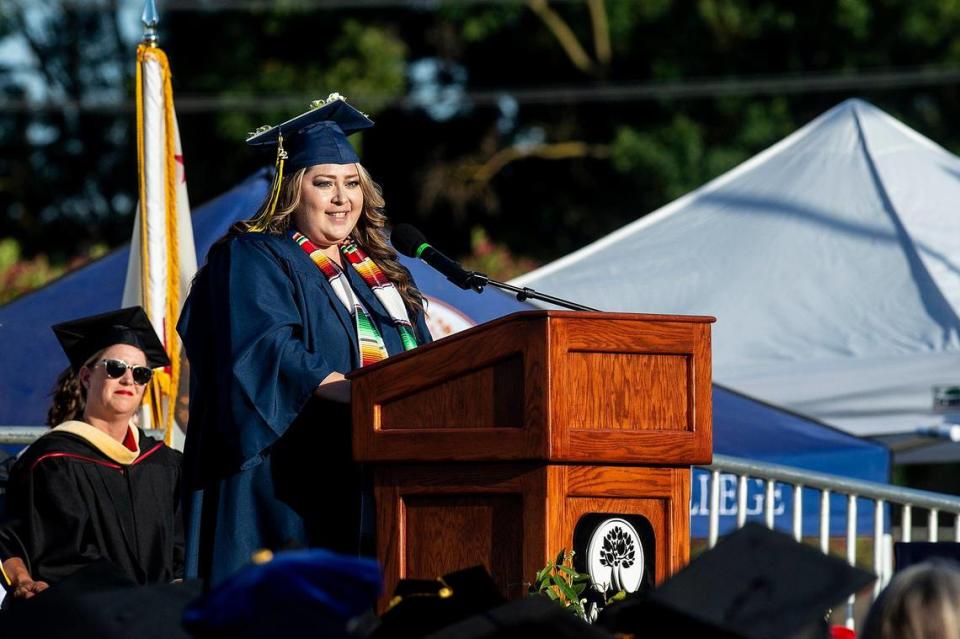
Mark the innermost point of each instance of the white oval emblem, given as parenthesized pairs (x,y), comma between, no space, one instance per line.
(615,556)
(444,319)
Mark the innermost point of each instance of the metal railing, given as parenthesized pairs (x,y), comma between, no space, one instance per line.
(20,435)
(884,497)
(24,435)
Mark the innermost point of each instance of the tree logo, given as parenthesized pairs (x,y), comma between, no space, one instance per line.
(615,556)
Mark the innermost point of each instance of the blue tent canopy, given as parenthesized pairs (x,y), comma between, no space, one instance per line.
(743,427)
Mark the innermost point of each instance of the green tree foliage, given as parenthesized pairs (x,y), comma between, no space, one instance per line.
(255,57)
(662,148)
(66,175)
(366,63)
(494,258)
(18,275)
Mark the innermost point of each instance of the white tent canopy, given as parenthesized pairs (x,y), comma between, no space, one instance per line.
(831,260)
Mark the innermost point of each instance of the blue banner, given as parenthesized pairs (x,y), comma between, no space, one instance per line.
(782,507)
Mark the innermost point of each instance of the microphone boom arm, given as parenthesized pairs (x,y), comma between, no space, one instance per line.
(479,280)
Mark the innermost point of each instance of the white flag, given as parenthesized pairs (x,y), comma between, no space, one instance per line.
(163,259)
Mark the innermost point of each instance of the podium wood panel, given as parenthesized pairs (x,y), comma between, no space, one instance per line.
(612,406)
(654,408)
(513,518)
(495,526)
(491,397)
(552,386)
(412,543)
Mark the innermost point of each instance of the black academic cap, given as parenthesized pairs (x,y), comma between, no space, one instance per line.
(908,553)
(318,136)
(657,619)
(81,338)
(755,583)
(534,616)
(296,593)
(422,606)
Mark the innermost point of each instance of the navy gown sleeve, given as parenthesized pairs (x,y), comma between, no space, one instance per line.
(264,366)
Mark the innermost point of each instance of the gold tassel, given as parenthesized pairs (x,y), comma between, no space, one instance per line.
(262,222)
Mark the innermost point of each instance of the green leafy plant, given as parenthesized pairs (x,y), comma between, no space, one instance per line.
(495,259)
(560,582)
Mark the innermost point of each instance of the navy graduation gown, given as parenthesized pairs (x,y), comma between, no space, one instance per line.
(266,463)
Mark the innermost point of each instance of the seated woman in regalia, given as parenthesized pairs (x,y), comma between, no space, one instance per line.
(95,487)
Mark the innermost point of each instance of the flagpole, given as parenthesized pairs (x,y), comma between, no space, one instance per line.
(162,257)
(151,416)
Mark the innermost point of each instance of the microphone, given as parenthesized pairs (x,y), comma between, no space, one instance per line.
(412,243)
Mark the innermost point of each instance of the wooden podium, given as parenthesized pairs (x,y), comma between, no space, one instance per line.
(490,445)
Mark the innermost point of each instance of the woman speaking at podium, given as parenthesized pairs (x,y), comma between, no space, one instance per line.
(290,300)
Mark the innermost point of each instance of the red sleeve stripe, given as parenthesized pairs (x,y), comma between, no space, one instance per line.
(39,459)
(148,453)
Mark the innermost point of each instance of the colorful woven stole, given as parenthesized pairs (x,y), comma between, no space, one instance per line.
(371,344)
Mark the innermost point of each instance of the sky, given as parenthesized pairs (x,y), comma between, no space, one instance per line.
(15,51)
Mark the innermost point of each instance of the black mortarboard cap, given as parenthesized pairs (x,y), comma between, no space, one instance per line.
(422,606)
(754,583)
(318,136)
(908,553)
(658,619)
(81,338)
(534,616)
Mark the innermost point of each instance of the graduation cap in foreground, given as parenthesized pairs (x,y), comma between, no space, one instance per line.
(81,338)
(301,591)
(909,553)
(754,583)
(533,616)
(422,606)
(467,604)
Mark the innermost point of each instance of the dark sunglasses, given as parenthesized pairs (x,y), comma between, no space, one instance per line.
(115,369)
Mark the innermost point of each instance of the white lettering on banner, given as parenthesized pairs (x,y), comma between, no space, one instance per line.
(756,494)
(728,495)
(701,507)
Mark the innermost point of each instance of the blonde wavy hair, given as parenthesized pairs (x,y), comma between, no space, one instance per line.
(368,234)
(921,602)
